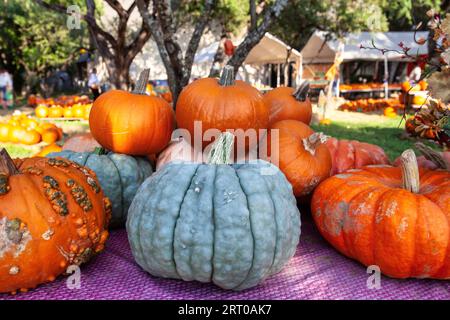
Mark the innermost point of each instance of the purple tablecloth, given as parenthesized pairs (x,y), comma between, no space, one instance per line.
(316,272)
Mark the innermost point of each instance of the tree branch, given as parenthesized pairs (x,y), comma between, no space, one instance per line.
(196,37)
(254,36)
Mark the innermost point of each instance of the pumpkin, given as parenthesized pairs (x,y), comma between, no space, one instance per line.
(15,134)
(423,85)
(50,135)
(395,218)
(230,225)
(431,159)
(68,112)
(286,103)
(48,149)
(30,137)
(41,111)
(87,111)
(419,99)
(4,132)
(351,154)
(178,150)
(82,142)
(52,215)
(221,104)
(389,112)
(119,175)
(55,112)
(301,155)
(132,123)
(78,111)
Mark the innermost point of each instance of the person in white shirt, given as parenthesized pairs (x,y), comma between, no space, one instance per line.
(94,83)
(6,85)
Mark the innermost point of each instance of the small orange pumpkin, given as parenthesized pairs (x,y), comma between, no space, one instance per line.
(30,137)
(301,155)
(41,111)
(50,135)
(132,123)
(55,112)
(68,112)
(48,149)
(286,103)
(4,132)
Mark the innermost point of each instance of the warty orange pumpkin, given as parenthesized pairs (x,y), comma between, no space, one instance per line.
(395,218)
(132,123)
(53,214)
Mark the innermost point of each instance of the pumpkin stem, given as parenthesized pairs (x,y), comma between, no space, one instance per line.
(227,77)
(100,151)
(301,93)
(410,171)
(141,84)
(433,156)
(7,165)
(221,150)
(313,141)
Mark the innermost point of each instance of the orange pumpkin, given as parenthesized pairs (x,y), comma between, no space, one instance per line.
(48,149)
(41,111)
(78,111)
(60,220)
(286,103)
(351,154)
(394,218)
(132,123)
(4,132)
(419,99)
(68,112)
(423,85)
(83,142)
(15,134)
(221,104)
(55,112)
(30,137)
(300,153)
(50,135)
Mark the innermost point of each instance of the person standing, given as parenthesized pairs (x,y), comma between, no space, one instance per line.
(6,86)
(94,83)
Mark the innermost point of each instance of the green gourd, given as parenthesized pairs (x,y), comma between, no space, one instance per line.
(119,175)
(233,225)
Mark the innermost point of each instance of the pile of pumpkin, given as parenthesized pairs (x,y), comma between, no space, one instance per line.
(390,107)
(367,86)
(35,100)
(78,110)
(20,128)
(206,214)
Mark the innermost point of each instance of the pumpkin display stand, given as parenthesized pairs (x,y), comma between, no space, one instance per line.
(317,271)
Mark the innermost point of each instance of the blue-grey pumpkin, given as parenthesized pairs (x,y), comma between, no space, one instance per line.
(231,225)
(119,175)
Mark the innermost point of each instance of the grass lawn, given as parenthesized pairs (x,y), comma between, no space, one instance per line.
(387,133)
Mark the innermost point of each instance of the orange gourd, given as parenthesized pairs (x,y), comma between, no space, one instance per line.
(48,149)
(55,112)
(394,218)
(221,104)
(41,111)
(53,214)
(132,123)
(300,153)
(78,111)
(50,135)
(15,134)
(286,103)
(4,132)
(68,112)
(351,154)
(30,137)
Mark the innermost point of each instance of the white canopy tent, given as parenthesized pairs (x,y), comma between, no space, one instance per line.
(270,50)
(319,50)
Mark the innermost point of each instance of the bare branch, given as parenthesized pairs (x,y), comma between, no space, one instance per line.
(196,37)
(117,7)
(254,36)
